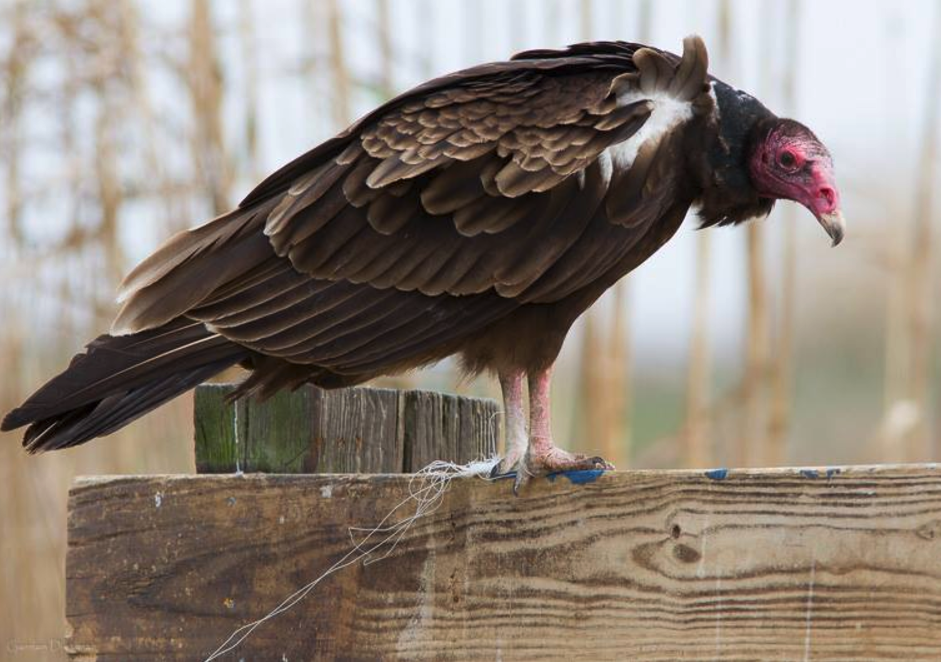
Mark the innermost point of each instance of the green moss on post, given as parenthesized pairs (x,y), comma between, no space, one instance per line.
(355,430)
(216,449)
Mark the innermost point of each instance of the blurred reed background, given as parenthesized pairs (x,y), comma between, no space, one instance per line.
(124,121)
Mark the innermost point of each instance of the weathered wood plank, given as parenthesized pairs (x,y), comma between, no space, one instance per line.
(439,426)
(355,430)
(766,564)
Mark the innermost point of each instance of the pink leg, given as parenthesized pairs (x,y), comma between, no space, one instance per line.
(540,412)
(543,456)
(514,421)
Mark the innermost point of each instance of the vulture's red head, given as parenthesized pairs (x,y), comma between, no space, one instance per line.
(788,161)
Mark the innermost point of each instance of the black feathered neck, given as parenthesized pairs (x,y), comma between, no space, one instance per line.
(721,161)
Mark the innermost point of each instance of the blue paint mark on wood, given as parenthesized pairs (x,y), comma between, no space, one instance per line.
(832,471)
(717,474)
(578,476)
(810,473)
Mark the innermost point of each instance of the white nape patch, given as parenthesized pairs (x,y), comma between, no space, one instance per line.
(666,115)
(715,99)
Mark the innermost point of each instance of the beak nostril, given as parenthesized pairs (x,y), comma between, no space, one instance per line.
(827,194)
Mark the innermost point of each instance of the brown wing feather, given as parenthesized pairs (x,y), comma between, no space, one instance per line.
(343,327)
(430,218)
(479,177)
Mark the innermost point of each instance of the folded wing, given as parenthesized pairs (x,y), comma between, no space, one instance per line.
(440,212)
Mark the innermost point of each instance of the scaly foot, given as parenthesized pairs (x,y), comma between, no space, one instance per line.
(543,457)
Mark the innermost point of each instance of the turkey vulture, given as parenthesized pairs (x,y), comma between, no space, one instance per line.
(478,214)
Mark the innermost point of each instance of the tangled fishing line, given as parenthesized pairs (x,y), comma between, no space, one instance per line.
(426,490)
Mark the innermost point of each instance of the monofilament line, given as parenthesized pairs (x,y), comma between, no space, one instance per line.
(235,431)
(426,491)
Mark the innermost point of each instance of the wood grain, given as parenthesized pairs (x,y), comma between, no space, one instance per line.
(438,426)
(316,431)
(642,565)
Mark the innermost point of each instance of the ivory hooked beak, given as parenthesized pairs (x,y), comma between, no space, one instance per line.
(834,224)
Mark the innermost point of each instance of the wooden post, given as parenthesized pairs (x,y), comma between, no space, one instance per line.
(819,564)
(354,430)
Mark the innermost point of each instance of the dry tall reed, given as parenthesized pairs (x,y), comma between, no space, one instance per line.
(83,95)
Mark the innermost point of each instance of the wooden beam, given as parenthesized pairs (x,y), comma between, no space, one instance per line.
(316,431)
(820,564)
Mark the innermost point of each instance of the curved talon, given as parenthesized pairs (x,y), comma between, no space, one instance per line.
(498,473)
(508,464)
(522,477)
(601,463)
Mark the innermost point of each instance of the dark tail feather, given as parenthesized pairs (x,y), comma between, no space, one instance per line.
(118,379)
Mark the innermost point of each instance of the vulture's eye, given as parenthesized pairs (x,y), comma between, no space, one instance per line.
(787,159)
